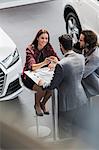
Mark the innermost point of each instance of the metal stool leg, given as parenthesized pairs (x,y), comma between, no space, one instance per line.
(37,126)
(37,130)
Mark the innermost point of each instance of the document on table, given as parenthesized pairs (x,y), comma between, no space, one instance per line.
(43,73)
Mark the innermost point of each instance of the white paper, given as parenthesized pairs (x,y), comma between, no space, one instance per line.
(43,73)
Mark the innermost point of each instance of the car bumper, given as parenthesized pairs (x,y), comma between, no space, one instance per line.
(10,81)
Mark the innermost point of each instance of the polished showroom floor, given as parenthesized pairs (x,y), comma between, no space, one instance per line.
(82,133)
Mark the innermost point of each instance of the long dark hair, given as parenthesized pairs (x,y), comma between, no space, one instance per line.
(35,41)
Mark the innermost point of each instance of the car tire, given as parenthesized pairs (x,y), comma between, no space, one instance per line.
(73,26)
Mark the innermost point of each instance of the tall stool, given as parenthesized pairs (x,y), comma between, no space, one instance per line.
(38,130)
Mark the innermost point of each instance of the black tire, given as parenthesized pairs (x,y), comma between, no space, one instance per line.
(73,24)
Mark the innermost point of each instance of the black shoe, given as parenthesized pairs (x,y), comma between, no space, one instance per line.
(38,112)
(44,109)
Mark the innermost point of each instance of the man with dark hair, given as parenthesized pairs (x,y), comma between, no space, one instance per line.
(67,77)
(87,41)
(88,44)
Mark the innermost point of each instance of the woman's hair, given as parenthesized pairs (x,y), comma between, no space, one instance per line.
(90,39)
(35,41)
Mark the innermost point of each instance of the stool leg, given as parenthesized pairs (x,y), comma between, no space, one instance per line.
(41,131)
(37,126)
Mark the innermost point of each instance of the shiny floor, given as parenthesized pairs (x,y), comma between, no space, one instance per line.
(80,134)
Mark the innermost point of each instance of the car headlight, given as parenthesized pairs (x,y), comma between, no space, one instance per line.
(11,59)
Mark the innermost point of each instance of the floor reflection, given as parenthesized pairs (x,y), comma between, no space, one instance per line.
(11,111)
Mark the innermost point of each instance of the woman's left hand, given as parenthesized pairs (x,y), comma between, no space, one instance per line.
(53,59)
(47,61)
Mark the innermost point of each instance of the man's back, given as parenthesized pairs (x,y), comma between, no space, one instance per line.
(71,93)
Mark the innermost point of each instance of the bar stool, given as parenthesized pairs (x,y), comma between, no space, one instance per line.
(37,130)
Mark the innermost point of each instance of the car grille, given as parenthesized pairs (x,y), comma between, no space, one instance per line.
(2,76)
(13,87)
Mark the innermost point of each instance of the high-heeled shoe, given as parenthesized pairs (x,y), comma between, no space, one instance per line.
(44,109)
(38,111)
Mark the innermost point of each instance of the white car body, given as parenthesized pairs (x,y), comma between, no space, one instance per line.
(14,3)
(87,12)
(10,68)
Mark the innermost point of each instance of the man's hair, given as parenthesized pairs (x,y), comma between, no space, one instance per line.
(90,38)
(66,41)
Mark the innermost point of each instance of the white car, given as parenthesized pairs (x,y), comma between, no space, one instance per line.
(14,3)
(10,68)
(81,14)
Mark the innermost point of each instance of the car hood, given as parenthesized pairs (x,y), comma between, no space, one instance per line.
(7,46)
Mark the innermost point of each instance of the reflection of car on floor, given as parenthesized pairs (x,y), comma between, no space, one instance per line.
(81,14)
(10,68)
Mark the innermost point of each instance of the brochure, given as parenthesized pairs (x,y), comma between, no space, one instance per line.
(43,73)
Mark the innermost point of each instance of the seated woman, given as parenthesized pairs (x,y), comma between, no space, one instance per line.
(36,57)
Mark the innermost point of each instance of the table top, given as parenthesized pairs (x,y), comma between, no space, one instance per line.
(43,73)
